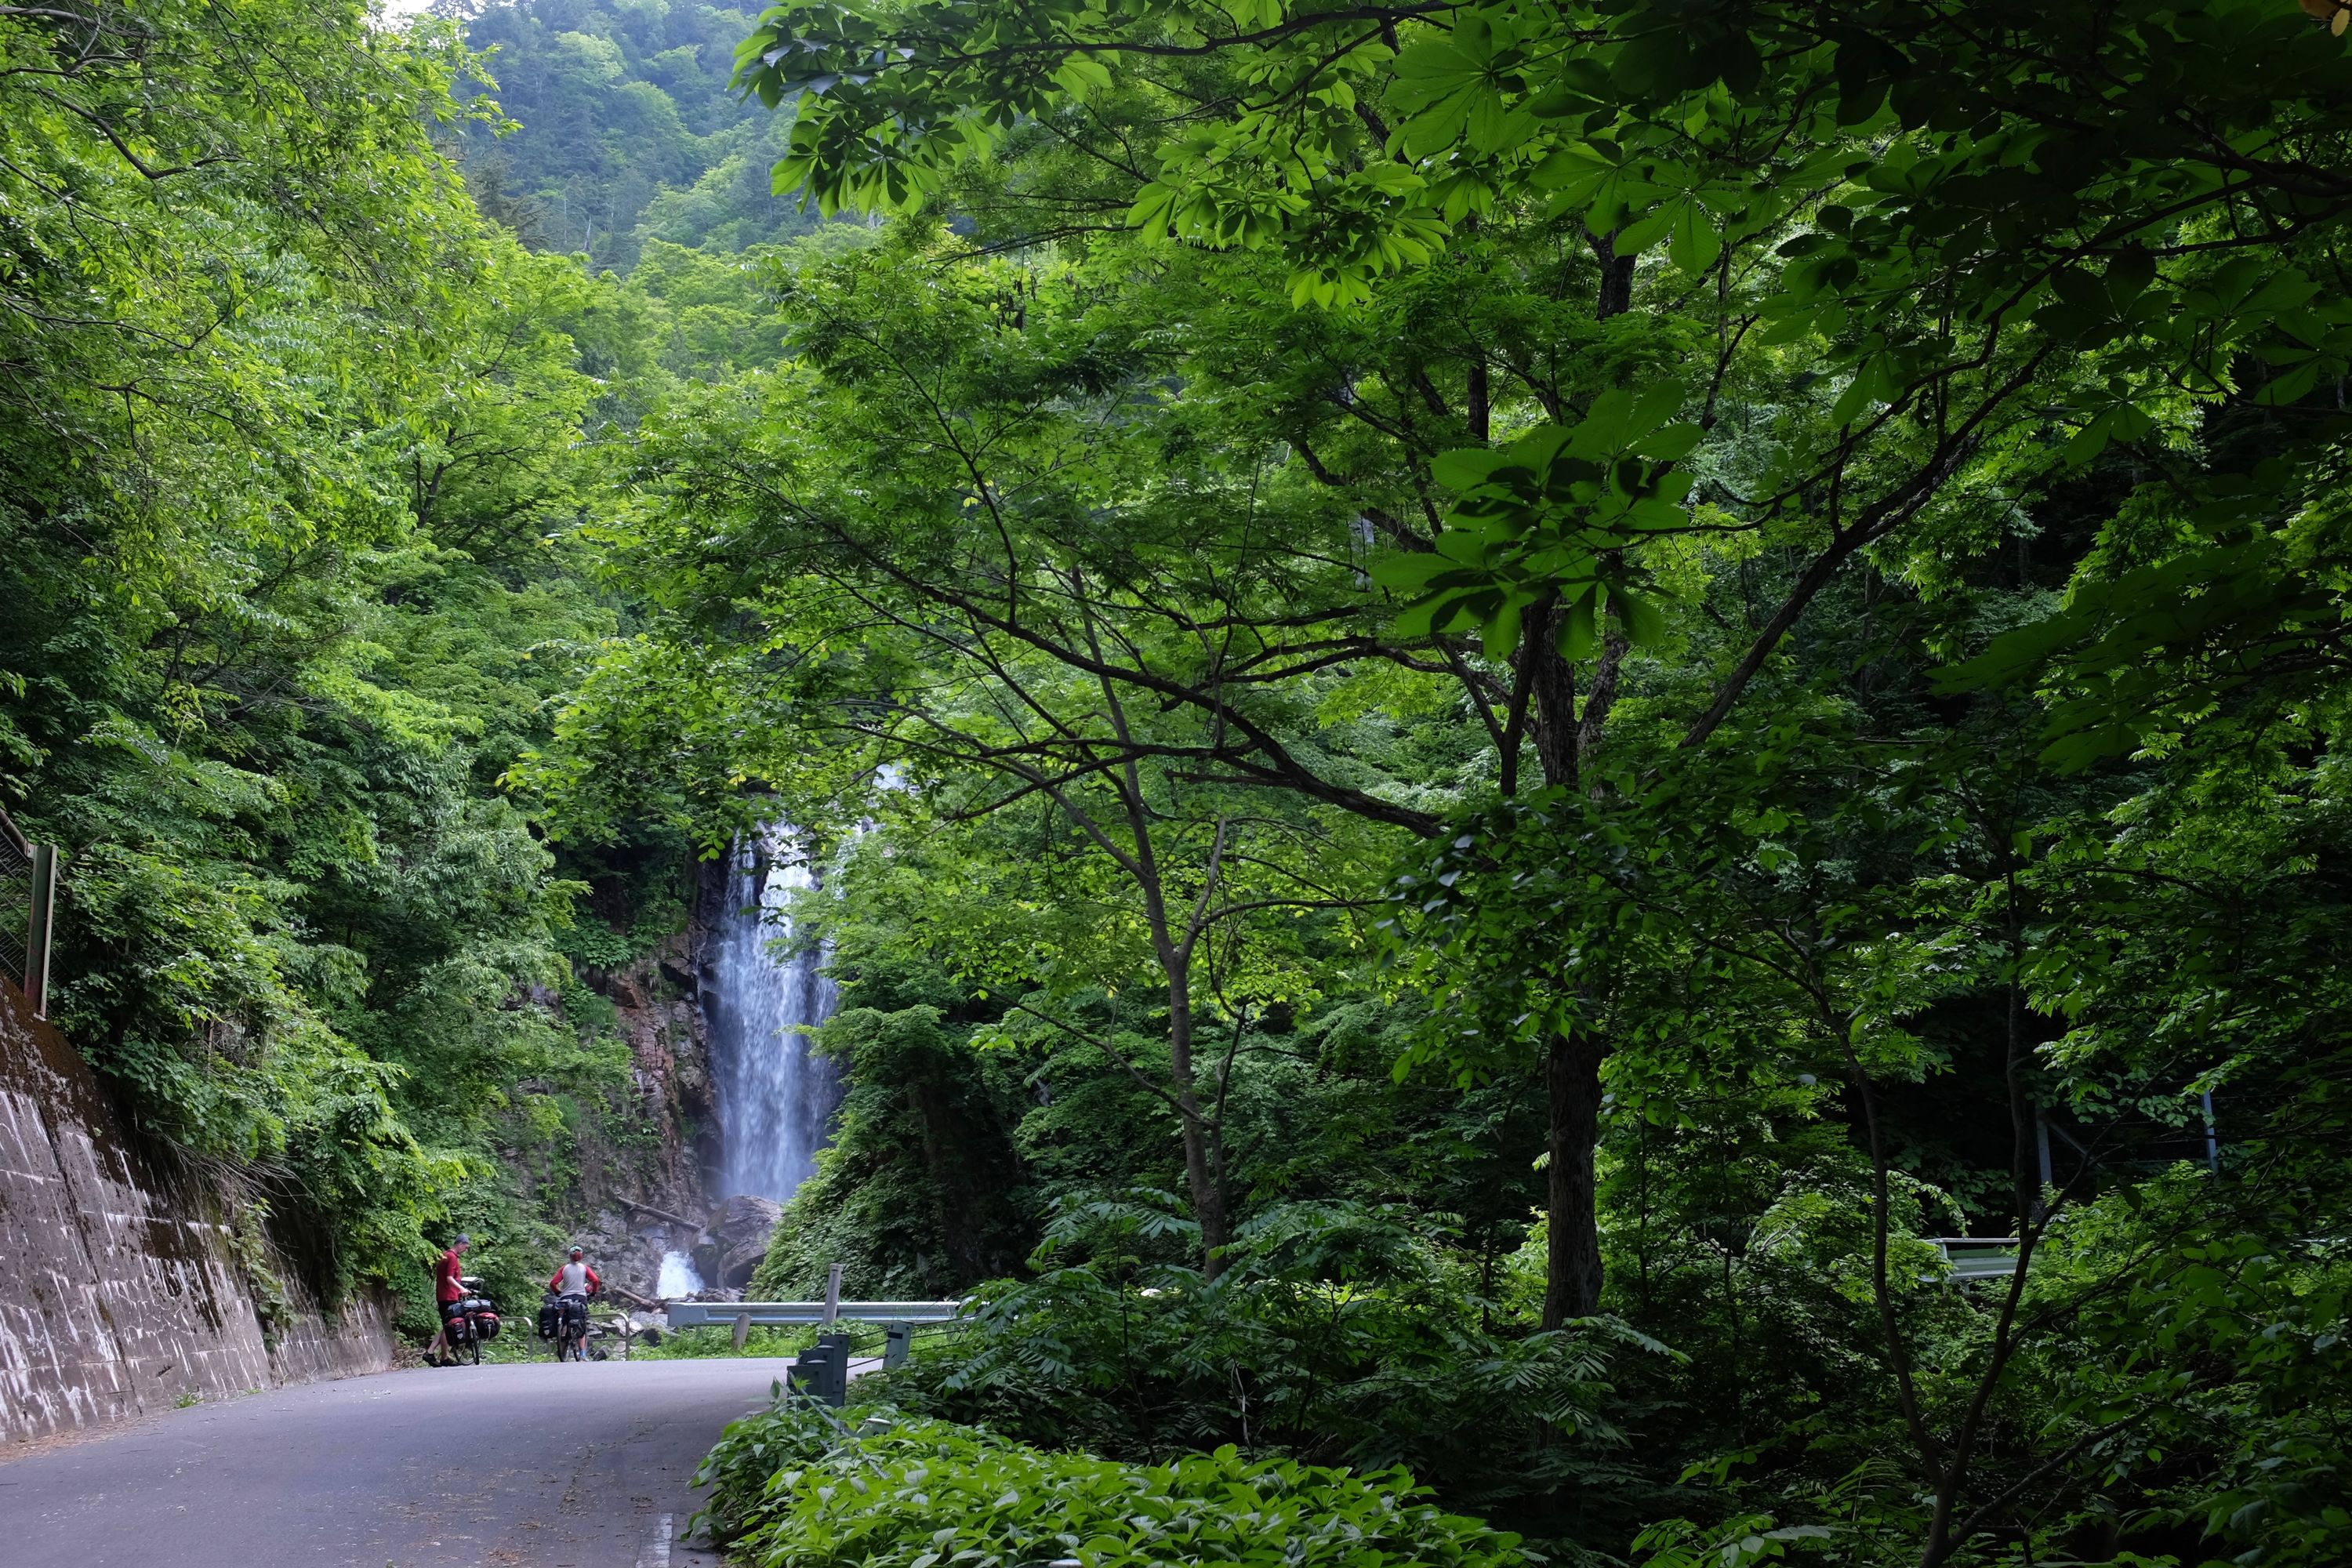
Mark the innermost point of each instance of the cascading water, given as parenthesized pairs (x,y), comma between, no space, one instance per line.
(678,1278)
(774,1095)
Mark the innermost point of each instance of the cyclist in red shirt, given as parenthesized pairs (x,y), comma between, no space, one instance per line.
(448,1286)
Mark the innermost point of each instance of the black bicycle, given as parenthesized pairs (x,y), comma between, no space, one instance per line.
(571,1326)
(470,1321)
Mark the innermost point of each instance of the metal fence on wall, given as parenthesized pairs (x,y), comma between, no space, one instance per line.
(15,901)
(28,888)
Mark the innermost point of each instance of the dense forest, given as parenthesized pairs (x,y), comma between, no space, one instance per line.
(1508,711)
(302,449)
(618,126)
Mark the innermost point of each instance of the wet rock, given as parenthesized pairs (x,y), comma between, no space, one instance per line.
(707,1258)
(740,1262)
(739,1232)
(744,1218)
(677,967)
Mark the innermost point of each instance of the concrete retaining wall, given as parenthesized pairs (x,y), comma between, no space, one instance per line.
(120,1288)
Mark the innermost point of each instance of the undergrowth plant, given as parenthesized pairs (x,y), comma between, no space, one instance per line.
(1335,1333)
(791,1488)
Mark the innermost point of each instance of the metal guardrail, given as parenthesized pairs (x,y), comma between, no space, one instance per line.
(1977,1257)
(776,1314)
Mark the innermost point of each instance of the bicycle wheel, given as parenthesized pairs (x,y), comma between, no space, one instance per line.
(477,1348)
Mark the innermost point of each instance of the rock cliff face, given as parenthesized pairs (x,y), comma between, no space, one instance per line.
(663,1198)
(649,1199)
(658,1002)
(125,1288)
(662,1193)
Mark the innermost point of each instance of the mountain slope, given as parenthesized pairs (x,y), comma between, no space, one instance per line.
(627,130)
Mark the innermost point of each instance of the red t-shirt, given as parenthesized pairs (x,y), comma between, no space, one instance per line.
(447,1277)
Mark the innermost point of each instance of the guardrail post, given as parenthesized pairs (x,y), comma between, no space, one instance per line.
(805,1371)
(43,923)
(822,1371)
(896,1340)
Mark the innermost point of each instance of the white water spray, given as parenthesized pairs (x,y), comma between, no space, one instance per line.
(678,1278)
(774,1096)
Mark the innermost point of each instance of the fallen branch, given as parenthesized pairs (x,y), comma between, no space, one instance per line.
(661,1214)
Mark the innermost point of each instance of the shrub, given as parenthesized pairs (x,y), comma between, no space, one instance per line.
(792,1489)
(1335,1333)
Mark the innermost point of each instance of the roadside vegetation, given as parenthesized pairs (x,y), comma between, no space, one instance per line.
(789,1490)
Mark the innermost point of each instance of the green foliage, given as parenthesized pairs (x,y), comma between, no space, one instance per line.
(719,1343)
(284,484)
(2222,635)
(920,1192)
(619,133)
(249,1248)
(1921,203)
(1545,523)
(1360,140)
(1336,1333)
(787,1488)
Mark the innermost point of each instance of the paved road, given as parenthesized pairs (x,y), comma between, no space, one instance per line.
(538,1466)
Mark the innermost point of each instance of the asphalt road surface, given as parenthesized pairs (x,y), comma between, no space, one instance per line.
(534,1465)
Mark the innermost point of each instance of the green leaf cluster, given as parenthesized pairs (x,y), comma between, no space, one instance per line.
(788,1487)
(1547,521)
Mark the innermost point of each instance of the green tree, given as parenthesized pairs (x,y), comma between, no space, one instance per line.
(266,379)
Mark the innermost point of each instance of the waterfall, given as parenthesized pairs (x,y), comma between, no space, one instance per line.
(678,1278)
(774,1096)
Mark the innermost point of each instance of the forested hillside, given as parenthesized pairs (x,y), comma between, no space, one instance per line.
(300,448)
(624,128)
(1592,748)
(257,682)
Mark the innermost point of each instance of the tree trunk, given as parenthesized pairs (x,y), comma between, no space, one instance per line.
(1572,1266)
(1566,744)
(1201,1175)
(1552,681)
(1615,295)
